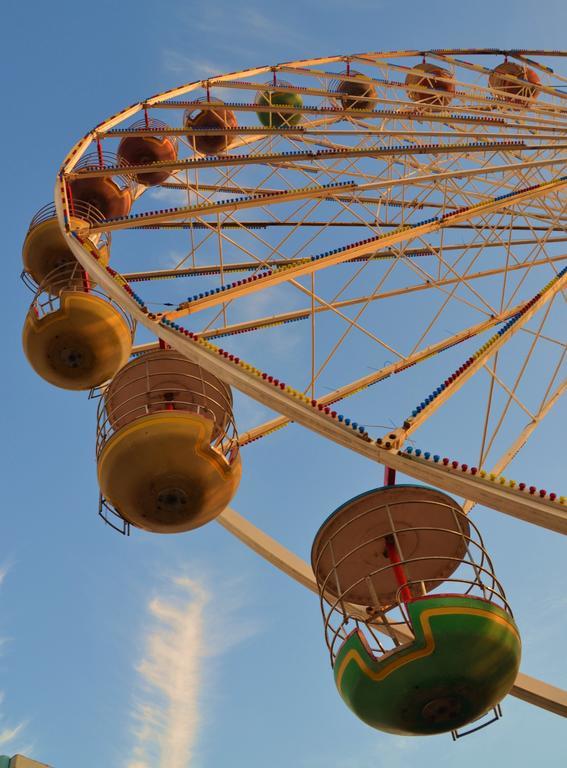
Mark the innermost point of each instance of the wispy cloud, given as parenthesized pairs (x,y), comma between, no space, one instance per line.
(229,37)
(168,706)
(167,714)
(171,197)
(193,68)
(257,24)
(8,735)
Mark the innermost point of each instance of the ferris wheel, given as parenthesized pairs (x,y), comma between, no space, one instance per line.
(404,213)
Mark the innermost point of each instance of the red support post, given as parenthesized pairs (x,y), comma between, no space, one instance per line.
(389,476)
(100,155)
(70,198)
(394,557)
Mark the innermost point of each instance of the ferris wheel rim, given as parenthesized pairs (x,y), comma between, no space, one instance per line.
(71,158)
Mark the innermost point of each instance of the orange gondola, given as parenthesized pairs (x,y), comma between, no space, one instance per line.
(515,83)
(210,118)
(355,91)
(430,85)
(147,149)
(111,195)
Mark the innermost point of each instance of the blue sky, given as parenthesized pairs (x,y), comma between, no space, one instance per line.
(189,651)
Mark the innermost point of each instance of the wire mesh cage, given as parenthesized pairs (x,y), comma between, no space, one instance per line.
(45,248)
(353,91)
(70,278)
(392,545)
(163,380)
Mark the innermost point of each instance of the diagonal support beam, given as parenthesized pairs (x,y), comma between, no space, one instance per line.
(523,437)
(526,688)
(358,385)
(399,435)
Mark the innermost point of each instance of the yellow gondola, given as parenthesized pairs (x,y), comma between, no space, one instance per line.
(74,337)
(168,457)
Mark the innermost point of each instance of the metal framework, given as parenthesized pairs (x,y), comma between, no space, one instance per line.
(373,231)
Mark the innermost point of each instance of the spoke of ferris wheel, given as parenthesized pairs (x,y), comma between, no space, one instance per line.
(508,182)
(543,247)
(331,154)
(331,306)
(538,246)
(412,423)
(473,196)
(280,244)
(316,373)
(330,132)
(128,222)
(246,266)
(459,279)
(252,225)
(488,232)
(270,213)
(512,451)
(510,392)
(537,176)
(484,450)
(350,322)
(501,119)
(526,688)
(358,249)
(487,448)
(356,386)
(392,202)
(477,96)
(495,359)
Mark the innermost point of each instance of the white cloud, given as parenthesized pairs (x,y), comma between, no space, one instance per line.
(168,706)
(173,197)
(9,734)
(194,69)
